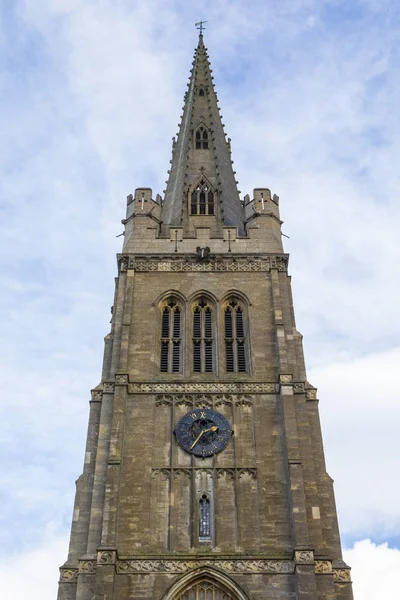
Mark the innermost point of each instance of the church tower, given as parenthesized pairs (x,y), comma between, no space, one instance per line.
(204,474)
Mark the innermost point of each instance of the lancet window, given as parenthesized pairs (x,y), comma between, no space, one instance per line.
(201,138)
(203,340)
(204,519)
(171,338)
(235,338)
(202,199)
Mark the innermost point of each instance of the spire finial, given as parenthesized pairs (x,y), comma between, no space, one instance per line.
(200,26)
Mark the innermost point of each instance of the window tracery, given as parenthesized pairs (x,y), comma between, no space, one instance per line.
(171,338)
(201,138)
(205,589)
(203,340)
(235,339)
(202,199)
(204,519)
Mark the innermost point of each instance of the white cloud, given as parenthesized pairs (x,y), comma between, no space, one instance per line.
(94,92)
(375,570)
(360,416)
(33,574)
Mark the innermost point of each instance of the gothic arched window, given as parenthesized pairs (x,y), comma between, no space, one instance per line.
(204,519)
(201,91)
(202,199)
(205,589)
(201,137)
(203,341)
(171,337)
(235,338)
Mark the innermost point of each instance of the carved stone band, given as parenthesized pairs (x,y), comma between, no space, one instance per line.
(234,473)
(202,388)
(87,566)
(228,566)
(68,575)
(342,575)
(323,566)
(246,263)
(106,557)
(201,400)
(304,556)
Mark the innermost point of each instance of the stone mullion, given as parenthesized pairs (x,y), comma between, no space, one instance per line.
(80,521)
(305,577)
(118,315)
(100,473)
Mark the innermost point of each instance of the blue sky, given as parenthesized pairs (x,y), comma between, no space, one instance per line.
(91,94)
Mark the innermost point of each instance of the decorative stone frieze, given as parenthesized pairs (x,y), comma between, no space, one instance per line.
(121,379)
(106,557)
(191,263)
(108,386)
(87,566)
(123,263)
(181,566)
(202,400)
(97,395)
(202,388)
(342,575)
(304,556)
(285,379)
(298,388)
(323,566)
(233,473)
(311,394)
(68,575)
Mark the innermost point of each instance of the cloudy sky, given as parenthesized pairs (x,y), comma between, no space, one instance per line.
(91,94)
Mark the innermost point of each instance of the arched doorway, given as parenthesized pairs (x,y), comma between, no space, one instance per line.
(205,584)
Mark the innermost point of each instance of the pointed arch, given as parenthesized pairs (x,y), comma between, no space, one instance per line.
(205,577)
(236,332)
(203,326)
(202,197)
(201,137)
(171,332)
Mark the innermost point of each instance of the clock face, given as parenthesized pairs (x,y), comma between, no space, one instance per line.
(203,432)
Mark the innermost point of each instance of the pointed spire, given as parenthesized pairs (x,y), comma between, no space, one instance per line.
(201,152)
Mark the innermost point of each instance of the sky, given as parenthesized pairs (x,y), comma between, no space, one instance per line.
(91,95)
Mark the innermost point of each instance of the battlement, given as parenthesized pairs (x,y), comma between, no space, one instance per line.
(146,233)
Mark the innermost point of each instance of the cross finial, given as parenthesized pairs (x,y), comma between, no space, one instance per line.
(200,26)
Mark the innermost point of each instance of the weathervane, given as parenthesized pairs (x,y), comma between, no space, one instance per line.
(200,26)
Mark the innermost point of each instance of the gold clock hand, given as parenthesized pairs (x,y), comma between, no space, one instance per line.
(212,428)
(197,439)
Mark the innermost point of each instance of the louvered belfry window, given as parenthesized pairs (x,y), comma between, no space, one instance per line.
(202,199)
(171,340)
(235,340)
(203,342)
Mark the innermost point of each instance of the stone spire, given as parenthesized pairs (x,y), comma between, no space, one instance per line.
(202,154)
